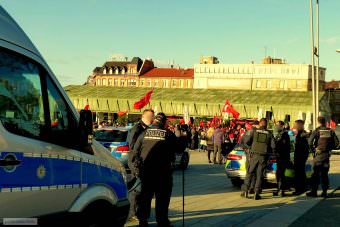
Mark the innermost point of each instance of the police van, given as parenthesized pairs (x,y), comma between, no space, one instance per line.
(49,165)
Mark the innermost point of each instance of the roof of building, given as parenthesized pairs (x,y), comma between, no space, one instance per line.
(120,64)
(332,84)
(200,101)
(170,72)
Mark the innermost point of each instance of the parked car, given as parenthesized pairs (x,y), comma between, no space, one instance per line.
(50,168)
(235,168)
(115,140)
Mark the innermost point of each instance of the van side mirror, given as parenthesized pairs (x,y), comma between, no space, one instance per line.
(86,127)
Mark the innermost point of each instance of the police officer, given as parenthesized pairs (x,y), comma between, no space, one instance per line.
(282,153)
(262,143)
(246,149)
(156,147)
(322,141)
(301,152)
(135,132)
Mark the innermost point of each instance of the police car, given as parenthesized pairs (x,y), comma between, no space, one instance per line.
(48,165)
(235,167)
(115,140)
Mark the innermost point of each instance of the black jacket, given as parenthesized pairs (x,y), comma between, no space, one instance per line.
(282,145)
(301,146)
(156,147)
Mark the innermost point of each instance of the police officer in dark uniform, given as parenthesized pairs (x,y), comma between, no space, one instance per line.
(282,153)
(322,141)
(135,132)
(156,147)
(301,152)
(246,149)
(262,143)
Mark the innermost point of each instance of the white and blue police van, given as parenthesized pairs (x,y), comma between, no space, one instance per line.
(50,168)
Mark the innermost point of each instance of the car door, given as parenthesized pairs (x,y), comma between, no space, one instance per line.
(40,171)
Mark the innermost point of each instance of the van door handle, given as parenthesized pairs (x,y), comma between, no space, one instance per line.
(9,162)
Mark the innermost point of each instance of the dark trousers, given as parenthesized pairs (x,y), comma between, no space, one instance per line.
(257,166)
(320,170)
(281,166)
(300,174)
(161,188)
(209,154)
(218,153)
(253,181)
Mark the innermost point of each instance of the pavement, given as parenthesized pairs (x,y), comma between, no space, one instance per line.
(211,200)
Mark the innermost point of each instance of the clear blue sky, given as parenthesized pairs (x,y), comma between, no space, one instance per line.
(76,35)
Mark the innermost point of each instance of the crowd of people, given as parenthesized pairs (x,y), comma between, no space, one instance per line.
(153,144)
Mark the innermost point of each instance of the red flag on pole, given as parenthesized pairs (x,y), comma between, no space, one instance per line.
(228,108)
(143,101)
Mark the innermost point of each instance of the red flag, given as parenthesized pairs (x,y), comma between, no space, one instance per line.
(143,101)
(228,108)
(333,124)
(87,107)
(121,113)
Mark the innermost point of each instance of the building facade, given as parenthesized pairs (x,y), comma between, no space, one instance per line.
(140,73)
(272,74)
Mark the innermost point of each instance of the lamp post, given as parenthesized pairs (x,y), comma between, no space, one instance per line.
(313,52)
(317,54)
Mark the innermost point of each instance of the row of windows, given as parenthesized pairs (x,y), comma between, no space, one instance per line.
(248,70)
(144,83)
(282,85)
(117,70)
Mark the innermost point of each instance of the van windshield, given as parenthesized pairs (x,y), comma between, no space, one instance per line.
(111,135)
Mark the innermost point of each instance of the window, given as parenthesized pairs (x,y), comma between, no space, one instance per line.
(148,83)
(115,82)
(142,83)
(104,82)
(104,70)
(31,105)
(188,83)
(122,83)
(21,103)
(269,84)
(63,125)
(164,83)
(156,83)
(110,71)
(98,82)
(258,84)
(281,84)
(117,71)
(181,83)
(299,84)
(110,82)
(174,83)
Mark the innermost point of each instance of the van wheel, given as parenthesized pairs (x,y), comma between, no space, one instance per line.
(100,214)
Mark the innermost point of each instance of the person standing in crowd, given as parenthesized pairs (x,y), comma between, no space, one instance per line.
(262,144)
(210,142)
(203,140)
(282,144)
(218,139)
(136,131)
(246,149)
(194,138)
(156,148)
(322,141)
(300,157)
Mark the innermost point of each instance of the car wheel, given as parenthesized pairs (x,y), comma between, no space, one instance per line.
(100,213)
(236,182)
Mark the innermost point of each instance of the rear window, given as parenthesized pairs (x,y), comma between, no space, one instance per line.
(111,135)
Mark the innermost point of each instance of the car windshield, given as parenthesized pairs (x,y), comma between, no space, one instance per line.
(111,135)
